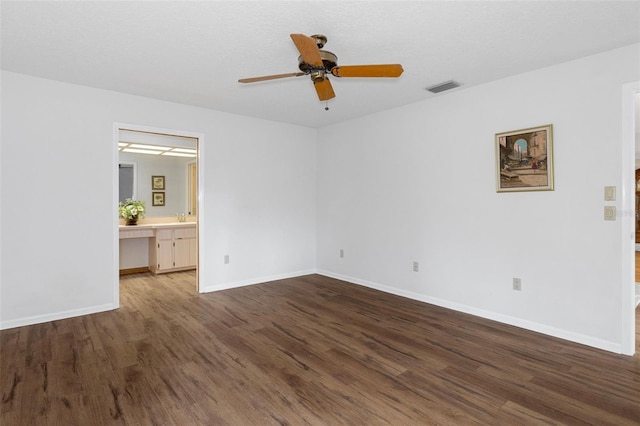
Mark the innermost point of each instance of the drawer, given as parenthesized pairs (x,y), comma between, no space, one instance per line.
(135,233)
(164,234)
(185,233)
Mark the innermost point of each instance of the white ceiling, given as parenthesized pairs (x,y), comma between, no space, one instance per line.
(194,52)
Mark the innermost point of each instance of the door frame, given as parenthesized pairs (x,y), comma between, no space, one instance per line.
(627,217)
(200,216)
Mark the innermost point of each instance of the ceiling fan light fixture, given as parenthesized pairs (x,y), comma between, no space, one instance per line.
(317,76)
(442,87)
(320,40)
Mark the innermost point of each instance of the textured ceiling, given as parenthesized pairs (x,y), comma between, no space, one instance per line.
(194,52)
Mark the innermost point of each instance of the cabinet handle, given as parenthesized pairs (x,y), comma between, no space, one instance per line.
(158,245)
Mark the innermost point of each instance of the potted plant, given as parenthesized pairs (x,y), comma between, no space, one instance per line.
(131,210)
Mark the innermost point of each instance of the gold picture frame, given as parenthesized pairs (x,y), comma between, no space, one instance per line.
(157,182)
(157,199)
(524,159)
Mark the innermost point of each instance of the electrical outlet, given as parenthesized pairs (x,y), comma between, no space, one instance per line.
(341,253)
(416,267)
(226,259)
(517,284)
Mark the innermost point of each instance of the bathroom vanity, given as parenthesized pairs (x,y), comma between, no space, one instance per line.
(172,246)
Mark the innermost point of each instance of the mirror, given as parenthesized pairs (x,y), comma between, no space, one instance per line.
(160,170)
(127,180)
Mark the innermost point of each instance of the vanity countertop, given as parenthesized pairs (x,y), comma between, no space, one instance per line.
(158,225)
(149,230)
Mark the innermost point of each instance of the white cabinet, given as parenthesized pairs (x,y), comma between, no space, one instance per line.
(173,249)
(163,247)
(185,247)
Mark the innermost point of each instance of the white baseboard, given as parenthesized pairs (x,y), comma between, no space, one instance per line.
(252,281)
(506,319)
(494,316)
(39,319)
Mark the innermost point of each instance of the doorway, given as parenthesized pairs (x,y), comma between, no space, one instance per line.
(172,198)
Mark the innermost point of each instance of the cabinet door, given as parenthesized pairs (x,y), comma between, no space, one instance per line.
(164,255)
(185,247)
(185,252)
(193,252)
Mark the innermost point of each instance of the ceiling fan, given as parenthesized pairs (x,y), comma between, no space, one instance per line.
(319,64)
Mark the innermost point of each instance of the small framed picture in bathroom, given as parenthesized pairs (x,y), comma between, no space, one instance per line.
(157,182)
(157,198)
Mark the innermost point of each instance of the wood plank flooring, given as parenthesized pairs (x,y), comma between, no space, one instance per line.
(302,351)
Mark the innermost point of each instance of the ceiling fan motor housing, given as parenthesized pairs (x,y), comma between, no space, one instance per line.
(329,61)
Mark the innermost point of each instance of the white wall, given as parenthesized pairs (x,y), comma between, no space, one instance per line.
(417,184)
(412,184)
(57,175)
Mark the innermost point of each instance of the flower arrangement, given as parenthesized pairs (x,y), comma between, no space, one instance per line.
(131,209)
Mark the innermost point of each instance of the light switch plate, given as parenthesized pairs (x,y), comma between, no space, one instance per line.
(609,212)
(609,193)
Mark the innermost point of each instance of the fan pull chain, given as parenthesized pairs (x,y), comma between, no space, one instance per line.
(326,106)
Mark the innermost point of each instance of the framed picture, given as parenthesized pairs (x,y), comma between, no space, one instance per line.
(157,198)
(524,160)
(157,182)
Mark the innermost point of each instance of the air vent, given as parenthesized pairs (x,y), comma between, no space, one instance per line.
(447,85)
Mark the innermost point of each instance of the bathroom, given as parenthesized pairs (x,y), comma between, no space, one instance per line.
(161,171)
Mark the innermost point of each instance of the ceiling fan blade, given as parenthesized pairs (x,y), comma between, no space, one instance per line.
(324,89)
(270,77)
(308,49)
(385,70)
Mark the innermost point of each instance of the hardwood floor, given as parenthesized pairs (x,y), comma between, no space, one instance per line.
(309,350)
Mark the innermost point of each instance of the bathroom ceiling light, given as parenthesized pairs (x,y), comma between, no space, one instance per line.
(178,154)
(151,147)
(141,151)
(137,148)
(187,150)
